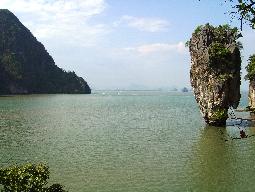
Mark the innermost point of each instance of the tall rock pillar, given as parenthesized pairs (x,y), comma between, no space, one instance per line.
(252,95)
(250,68)
(215,71)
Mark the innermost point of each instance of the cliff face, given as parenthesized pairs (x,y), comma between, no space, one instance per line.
(250,68)
(215,71)
(252,94)
(25,65)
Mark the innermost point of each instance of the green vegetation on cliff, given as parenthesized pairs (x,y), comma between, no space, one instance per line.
(219,115)
(219,50)
(250,68)
(218,53)
(25,65)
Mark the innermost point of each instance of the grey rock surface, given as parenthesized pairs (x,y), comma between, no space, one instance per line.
(215,82)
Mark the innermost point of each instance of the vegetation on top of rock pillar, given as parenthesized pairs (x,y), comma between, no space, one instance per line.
(218,46)
(223,34)
(250,68)
(218,53)
(198,29)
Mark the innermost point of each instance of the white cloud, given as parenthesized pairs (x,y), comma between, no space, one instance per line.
(62,19)
(158,48)
(144,24)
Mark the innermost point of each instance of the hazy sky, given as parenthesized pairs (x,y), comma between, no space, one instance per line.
(124,43)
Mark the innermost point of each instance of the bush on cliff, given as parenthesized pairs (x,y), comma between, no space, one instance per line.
(218,53)
(250,68)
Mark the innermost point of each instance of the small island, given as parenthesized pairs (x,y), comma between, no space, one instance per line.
(25,65)
(215,71)
(184,89)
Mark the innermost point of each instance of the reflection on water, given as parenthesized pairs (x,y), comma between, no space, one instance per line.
(222,166)
(211,161)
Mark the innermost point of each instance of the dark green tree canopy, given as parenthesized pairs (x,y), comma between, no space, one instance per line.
(27,178)
(245,10)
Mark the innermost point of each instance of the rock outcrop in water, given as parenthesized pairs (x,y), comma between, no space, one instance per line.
(251,95)
(215,71)
(251,77)
(25,65)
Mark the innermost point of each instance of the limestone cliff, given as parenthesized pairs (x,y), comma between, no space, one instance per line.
(251,95)
(25,65)
(215,71)
(250,68)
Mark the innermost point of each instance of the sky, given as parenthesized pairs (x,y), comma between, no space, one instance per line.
(125,44)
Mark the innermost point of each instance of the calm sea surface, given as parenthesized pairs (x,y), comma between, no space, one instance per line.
(126,142)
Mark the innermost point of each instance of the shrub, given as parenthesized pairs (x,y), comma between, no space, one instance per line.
(219,56)
(198,29)
(27,178)
(220,114)
(250,68)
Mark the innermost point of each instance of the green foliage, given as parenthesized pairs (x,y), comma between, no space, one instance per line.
(198,29)
(55,188)
(11,65)
(27,178)
(218,51)
(222,31)
(239,45)
(187,43)
(223,34)
(220,115)
(246,11)
(218,41)
(250,68)
(225,76)
(218,54)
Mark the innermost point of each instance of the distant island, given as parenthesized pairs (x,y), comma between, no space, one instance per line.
(185,89)
(25,65)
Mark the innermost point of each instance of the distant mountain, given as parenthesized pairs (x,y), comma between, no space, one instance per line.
(25,65)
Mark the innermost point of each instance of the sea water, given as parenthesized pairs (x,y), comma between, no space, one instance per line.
(126,141)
